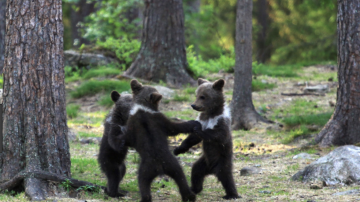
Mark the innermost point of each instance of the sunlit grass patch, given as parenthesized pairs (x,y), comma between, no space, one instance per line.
(91,119)
(87,134)
(72,110)
(92,87)
(187,114)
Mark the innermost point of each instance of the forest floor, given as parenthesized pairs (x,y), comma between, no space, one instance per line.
(268,148)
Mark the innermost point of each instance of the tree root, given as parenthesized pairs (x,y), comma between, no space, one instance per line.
(43,175)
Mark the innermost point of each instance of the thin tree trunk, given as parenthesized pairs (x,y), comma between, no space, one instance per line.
(35,129)
(162,56)
(83,9)
(263,53)
(243,111)
(2,33)
(344,126)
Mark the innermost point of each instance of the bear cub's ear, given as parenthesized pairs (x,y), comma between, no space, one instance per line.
(135,86)
(219,84)
(201,81)
(115,96)
(155,97)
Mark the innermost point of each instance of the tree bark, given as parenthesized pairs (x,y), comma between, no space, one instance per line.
(344,126)
(83,9)
(2,33)
(162,56)
(35,129)
(243,111)
(263,53)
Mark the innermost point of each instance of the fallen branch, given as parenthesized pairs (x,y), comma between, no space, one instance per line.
(300,94)
(43,175)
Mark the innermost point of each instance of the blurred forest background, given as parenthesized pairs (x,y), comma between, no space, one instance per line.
(284,32)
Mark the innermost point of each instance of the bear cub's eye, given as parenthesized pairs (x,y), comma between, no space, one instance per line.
(202,97)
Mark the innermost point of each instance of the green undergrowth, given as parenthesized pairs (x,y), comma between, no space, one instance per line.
(258,85)
(73,74)
(92,87)
(72,110)
(187,114)
(301,118)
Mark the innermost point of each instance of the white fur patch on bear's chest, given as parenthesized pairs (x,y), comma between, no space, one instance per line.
(211,123)
(138,107)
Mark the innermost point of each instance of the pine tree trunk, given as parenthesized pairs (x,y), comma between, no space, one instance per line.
(162,56)
(83,9)
(243,112)
(344,126)
(2,33)
(35,129)
(263,53)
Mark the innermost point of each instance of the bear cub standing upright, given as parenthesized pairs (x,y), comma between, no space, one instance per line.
(111,157)
(215,132)
(148,131)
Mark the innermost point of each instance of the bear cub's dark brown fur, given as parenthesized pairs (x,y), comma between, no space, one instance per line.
(148,131)
(215,133)
(111,156)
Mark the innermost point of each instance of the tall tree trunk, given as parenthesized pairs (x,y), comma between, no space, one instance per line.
(162,56)
(243,111)
(82,9)
(35,129)
(263,53)
(2,33)
(344,126)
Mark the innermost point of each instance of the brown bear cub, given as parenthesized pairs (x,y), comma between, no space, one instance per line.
(215,132)
(148,131)
(111,157)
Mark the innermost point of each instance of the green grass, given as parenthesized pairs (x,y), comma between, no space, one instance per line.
(258,85)
(72,110)
(87,134)
(90,119)
(187,114)
(181,98)
(311,119)
(101,72)
(92,87)
(106,101)
(276,71)
(189,90)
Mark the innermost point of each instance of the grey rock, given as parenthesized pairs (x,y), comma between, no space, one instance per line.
(341,166)
(72,135)
(350,192)
(304,156)
(77,59)
(246,171)
(265,192)
(165,92)
(316,89)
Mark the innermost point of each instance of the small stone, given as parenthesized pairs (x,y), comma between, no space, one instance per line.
(252,144)
(350,192)
(304,156)
(316,186)
(257,165)
(265,192)
(246,171)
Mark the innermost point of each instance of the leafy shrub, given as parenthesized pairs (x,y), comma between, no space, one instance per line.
(92,87)
(201,68)
(124,49)
(110,20)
